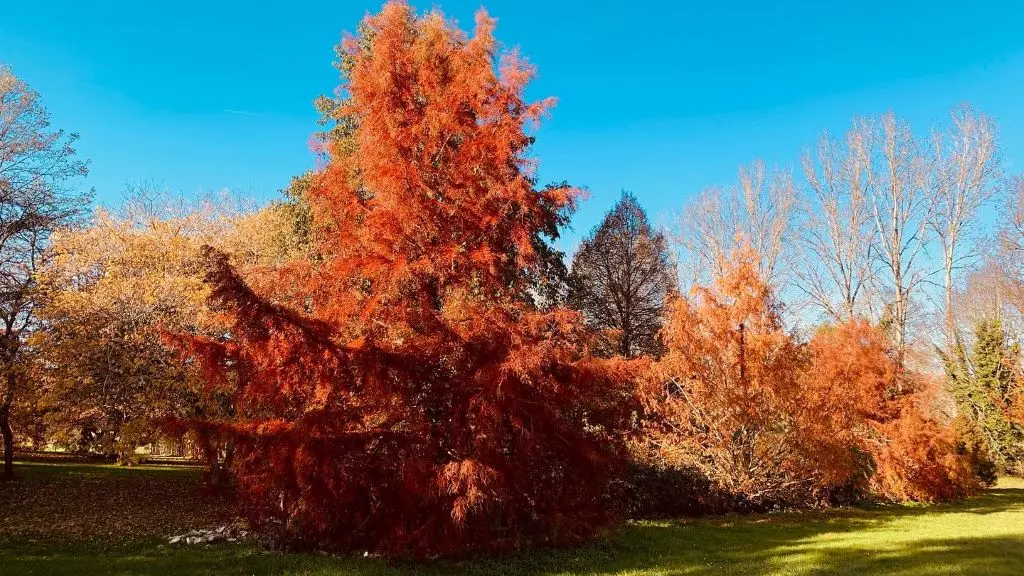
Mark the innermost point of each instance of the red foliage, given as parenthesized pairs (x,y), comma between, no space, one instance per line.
(402,394)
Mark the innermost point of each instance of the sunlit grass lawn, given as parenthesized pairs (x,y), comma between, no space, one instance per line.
(89,519)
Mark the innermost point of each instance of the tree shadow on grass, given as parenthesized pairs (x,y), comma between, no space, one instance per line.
(981,536)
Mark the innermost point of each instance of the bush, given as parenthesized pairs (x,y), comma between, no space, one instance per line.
(652,491)
(918,460)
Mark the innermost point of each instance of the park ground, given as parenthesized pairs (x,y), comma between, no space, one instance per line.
(86,519)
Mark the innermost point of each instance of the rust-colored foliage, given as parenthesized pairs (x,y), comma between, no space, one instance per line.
(859,403)
(847,374)
(401,393)
(770,421)
(725,397)
(1017,408)
(918,460)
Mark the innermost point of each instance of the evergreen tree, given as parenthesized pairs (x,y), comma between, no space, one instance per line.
(985,384)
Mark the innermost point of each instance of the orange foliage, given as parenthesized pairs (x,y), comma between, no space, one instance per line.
(865,405)
(726,395)
(401,393)
(770,421)
(917,459)
(847,374)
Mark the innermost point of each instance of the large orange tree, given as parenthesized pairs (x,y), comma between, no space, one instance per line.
(402,392)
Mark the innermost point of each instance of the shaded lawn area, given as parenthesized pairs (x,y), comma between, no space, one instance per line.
(92,519)
(55,502)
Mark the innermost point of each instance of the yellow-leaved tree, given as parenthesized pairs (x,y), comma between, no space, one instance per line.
(111,290)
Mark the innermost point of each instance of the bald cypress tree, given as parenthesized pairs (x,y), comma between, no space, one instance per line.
(399,391)
(620,279)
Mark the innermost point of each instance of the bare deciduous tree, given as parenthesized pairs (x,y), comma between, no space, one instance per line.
(837,232)
(902,209)
(964,175)
(1010,246)
(1011,235)
(760,210)
(990,290)
(37,168)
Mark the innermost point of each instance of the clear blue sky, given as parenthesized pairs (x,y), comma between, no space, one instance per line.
(663,98)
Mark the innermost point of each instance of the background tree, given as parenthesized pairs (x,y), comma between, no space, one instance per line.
(902,209)
(837,233)
(987,292)
(1011,233)
(964,176)
(37,170)
(109,290)
(870,424)
(724,396)
(402,392)
(770,421)
(760,210)
(1008,257)
(986,384)
(621,277)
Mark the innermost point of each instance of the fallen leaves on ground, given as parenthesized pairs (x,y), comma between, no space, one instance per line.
(106,503)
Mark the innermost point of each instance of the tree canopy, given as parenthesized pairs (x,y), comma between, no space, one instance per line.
(39,171)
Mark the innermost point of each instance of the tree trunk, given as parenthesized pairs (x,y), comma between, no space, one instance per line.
(218,462)
(8,434)
(7,402)
(950,324)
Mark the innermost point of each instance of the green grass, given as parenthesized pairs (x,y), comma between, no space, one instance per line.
(982,536)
